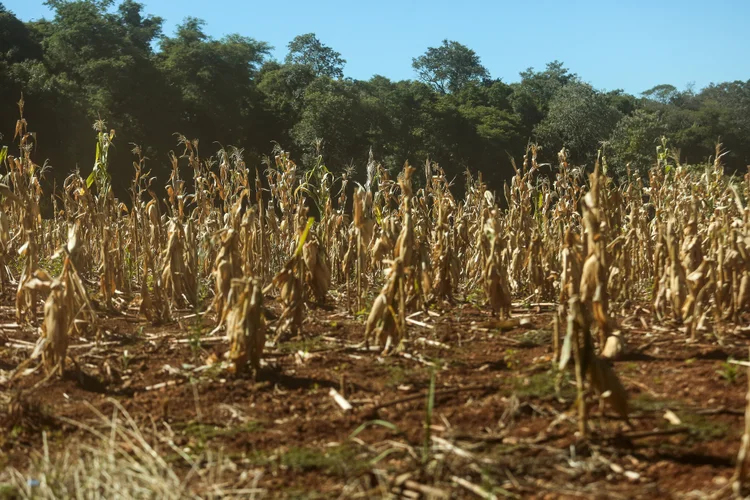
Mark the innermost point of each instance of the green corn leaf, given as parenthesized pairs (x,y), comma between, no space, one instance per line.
(3,153)
(381,423)
(90,179)
(303,238)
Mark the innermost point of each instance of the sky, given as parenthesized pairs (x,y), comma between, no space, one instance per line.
(628,44)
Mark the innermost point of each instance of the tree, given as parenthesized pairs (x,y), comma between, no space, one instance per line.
(450,67)
(725,110)
(16,40)
(634,141)
(625,103)
(282,92)
(95,63)
(664,93)
(101,59)
(332,113)
(17,48)
(487,130)
(579,118)
(215,80)
(532,95)
(140,30)
(399,124)
(307,50)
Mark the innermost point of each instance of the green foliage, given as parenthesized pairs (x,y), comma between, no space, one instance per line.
(532,96)
(100,172)
(8,491)
(215,78)
(53,266)
(339,461)
(579,119)
(16,39)
(196,332)
(536,385)
(206,432)
(332,112)
(282,88)
(450,67)
(307,50)
(634,141)
(728,371)
(663,93)
(140,30)
(510,359)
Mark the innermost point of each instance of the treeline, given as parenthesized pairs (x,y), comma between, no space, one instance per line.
(95,59)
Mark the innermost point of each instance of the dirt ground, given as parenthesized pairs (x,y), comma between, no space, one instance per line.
(504,422)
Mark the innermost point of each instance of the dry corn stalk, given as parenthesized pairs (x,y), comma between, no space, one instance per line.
(494,276)
(408,248)
(570,280)
(25,310)
(602,377)
(677,278)
(65,301)
(154,304)
(595,272)
(57,319)
(228,267)
(360,236)
(292,293)
(384,322)
(245,326)
(107,284)
(175,274)
(317,272)
(291,297)
(384,243)
(440,260)
(446,264)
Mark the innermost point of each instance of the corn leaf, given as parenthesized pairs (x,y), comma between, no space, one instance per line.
(90,179)
(303,237)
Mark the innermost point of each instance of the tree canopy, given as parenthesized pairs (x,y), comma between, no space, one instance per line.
(450,67)
(579,119)
(307,50)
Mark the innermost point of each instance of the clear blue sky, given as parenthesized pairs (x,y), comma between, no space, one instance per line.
(628,44)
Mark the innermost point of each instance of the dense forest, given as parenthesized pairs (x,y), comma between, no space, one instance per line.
(95,59)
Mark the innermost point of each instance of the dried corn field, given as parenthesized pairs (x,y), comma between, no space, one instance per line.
(280,332)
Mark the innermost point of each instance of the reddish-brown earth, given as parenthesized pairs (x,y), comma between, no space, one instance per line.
(495,401)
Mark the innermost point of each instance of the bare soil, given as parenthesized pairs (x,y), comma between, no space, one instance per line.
(509,417)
